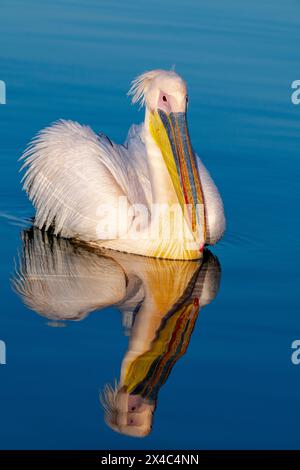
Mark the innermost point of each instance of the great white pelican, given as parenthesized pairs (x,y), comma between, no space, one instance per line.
(151,196)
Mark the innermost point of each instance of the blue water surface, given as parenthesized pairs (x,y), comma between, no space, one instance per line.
(236,386)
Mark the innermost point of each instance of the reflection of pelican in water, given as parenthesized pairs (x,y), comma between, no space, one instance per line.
(159,299)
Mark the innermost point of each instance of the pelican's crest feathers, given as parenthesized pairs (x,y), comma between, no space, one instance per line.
(140,85)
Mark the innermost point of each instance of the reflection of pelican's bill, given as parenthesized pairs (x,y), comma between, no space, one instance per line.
(160,336)
(150,370)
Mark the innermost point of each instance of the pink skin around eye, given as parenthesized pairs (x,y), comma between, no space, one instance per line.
(135,403)
(164,102)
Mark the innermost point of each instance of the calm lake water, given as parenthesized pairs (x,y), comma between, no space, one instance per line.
(234,385)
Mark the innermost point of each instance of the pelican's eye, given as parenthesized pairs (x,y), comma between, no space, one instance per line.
(164,98)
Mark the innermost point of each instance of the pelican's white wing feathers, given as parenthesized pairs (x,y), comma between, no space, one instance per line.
(71,172)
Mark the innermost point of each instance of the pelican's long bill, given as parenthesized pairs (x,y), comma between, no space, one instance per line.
(170,133)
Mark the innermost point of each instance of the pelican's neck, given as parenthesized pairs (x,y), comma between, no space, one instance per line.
(163,191)
(167,234)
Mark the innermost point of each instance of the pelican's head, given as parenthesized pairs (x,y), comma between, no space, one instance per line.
(160,90)
(164,93)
